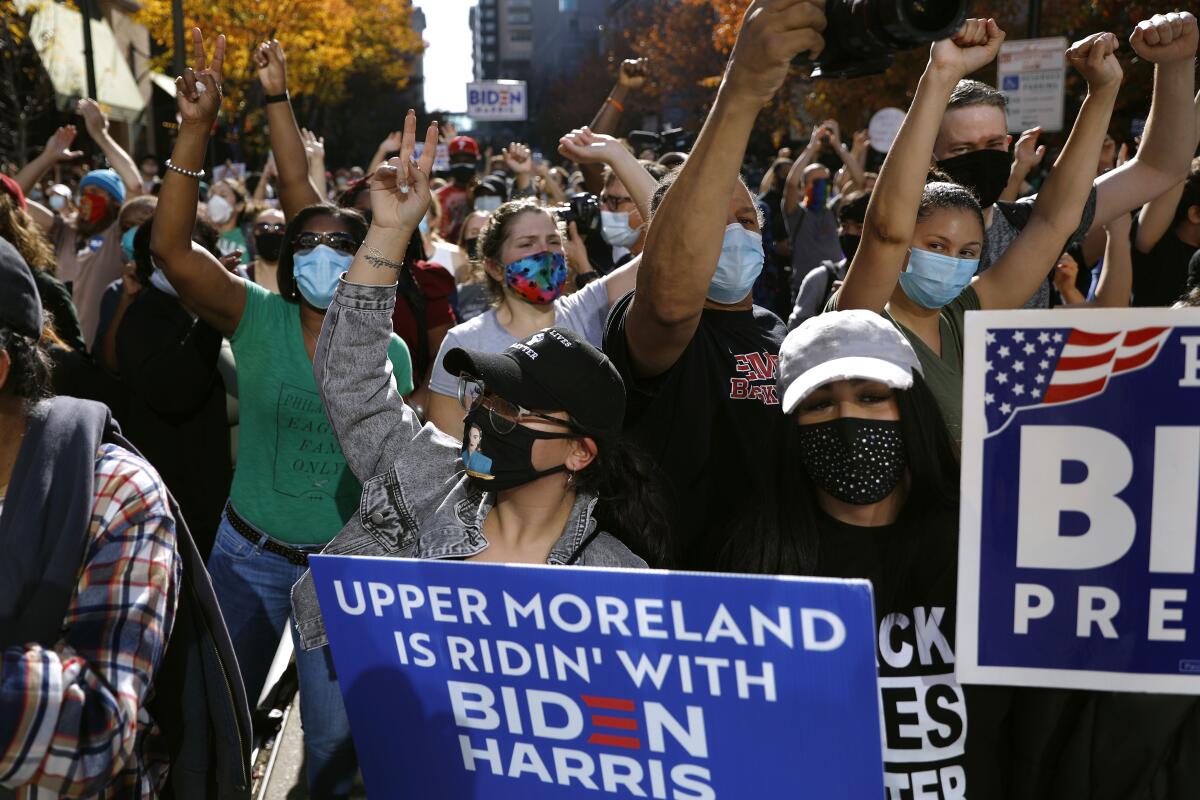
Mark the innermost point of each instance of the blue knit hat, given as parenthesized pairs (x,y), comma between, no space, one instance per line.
(105,179)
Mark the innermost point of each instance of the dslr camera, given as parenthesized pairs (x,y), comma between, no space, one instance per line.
(584,211)
(861,36)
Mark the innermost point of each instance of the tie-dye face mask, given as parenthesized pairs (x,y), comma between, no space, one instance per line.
(538,278)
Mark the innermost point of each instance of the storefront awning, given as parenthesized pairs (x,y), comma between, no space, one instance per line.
(57,33)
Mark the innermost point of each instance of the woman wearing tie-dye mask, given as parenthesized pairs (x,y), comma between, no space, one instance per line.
(524,254)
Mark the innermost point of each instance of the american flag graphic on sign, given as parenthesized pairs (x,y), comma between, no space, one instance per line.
(1029,367)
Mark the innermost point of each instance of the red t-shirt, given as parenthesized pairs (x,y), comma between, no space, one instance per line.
(437,284)
(454,203)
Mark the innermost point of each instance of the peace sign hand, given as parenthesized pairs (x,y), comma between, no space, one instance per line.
(400,186)
(198,90)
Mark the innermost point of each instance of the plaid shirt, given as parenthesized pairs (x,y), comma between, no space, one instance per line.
(73,720)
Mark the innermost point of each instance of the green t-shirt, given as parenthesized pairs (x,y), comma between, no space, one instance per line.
(291,479)
(232,240)
(944,374)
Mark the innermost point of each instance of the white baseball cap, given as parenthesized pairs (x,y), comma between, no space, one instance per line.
(843,345)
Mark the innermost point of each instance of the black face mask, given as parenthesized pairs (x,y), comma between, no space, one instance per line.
(849,243)
(857,461)
(462,173)
(984,172)
(498,461)
(268,245)
(469,244)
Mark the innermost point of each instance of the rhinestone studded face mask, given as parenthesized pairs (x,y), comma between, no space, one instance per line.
(857,461)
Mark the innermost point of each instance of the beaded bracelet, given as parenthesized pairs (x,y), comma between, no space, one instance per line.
(615,103)
(197,174)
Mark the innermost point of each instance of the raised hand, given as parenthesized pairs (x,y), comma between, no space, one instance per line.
(1028,153)
(1065,272)
(272,67)
(584,147)
(833,133)
(633,73)
(391,143)
(773,32)
(400,187)
(314,146)
(198,90)
(58,146)
(860,142)
(972,47)
(518,158)
(1165,37)
(1095,59)
(93,117)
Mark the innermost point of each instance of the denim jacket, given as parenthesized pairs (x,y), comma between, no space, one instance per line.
(417,501)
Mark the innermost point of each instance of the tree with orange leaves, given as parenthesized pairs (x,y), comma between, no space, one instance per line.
(338,38)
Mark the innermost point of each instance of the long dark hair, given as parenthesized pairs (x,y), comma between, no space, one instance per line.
(631,504)
(782,538)
(286,270)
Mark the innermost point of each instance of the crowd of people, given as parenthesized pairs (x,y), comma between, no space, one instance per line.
(627,359)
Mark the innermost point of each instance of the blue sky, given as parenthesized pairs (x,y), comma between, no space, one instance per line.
(448,59)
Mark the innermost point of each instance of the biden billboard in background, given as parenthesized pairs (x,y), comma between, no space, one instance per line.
(497,100)
(514,682)
(1080,481)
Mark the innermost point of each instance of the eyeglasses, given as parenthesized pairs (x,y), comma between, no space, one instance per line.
(613,202)
(472,394)
(269,227)
(342,242)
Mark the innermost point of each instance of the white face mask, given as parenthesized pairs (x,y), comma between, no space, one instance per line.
(219,210)
(615,229)
(488,203)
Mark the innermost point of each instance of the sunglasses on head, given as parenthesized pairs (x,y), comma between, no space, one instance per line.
(342,242)
(269,227)
(472,394)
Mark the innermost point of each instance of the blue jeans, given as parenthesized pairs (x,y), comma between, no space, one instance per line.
(253,588)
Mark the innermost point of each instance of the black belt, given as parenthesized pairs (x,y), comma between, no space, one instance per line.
(296,555)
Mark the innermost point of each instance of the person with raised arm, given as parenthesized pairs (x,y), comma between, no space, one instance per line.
(526,261)
(291,489)
(921,241)
(698,358)
(972,145)
(541,470)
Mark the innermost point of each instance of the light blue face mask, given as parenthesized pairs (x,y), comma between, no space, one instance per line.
(317,272)
(127,242)
(423,226)
(740,264)
(488,203)
(932,280)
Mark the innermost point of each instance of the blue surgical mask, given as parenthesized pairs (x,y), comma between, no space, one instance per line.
(932,280)
(423,226)
(740,264)
(158,279)
(615,229)
(317,272)
(127,243)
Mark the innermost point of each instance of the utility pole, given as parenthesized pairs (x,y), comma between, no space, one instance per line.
(85,7)
(1035,18)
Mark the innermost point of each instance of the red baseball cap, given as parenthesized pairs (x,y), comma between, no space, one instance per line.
(9,186)
(463,144)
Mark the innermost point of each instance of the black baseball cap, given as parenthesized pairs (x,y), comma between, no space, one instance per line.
(20,303)
(552,370)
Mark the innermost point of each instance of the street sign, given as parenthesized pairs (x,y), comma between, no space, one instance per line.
(1080,497)
(497,100)
(514,682)
(1031,73)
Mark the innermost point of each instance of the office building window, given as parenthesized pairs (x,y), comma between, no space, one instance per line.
(568,5)
(525,35)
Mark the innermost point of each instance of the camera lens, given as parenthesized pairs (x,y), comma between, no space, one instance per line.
(862,35)
(929,15)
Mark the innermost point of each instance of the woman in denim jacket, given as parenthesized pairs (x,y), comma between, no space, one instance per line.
(540,443)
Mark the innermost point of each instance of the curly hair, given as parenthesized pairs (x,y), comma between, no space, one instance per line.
(29,368)
(19,228)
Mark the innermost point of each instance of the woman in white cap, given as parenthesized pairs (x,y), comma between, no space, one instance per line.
(867,488)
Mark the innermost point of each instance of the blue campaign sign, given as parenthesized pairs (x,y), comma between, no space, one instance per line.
(528,682)
(1080,483)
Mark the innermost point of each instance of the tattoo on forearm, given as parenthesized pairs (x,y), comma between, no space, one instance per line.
(379,261)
